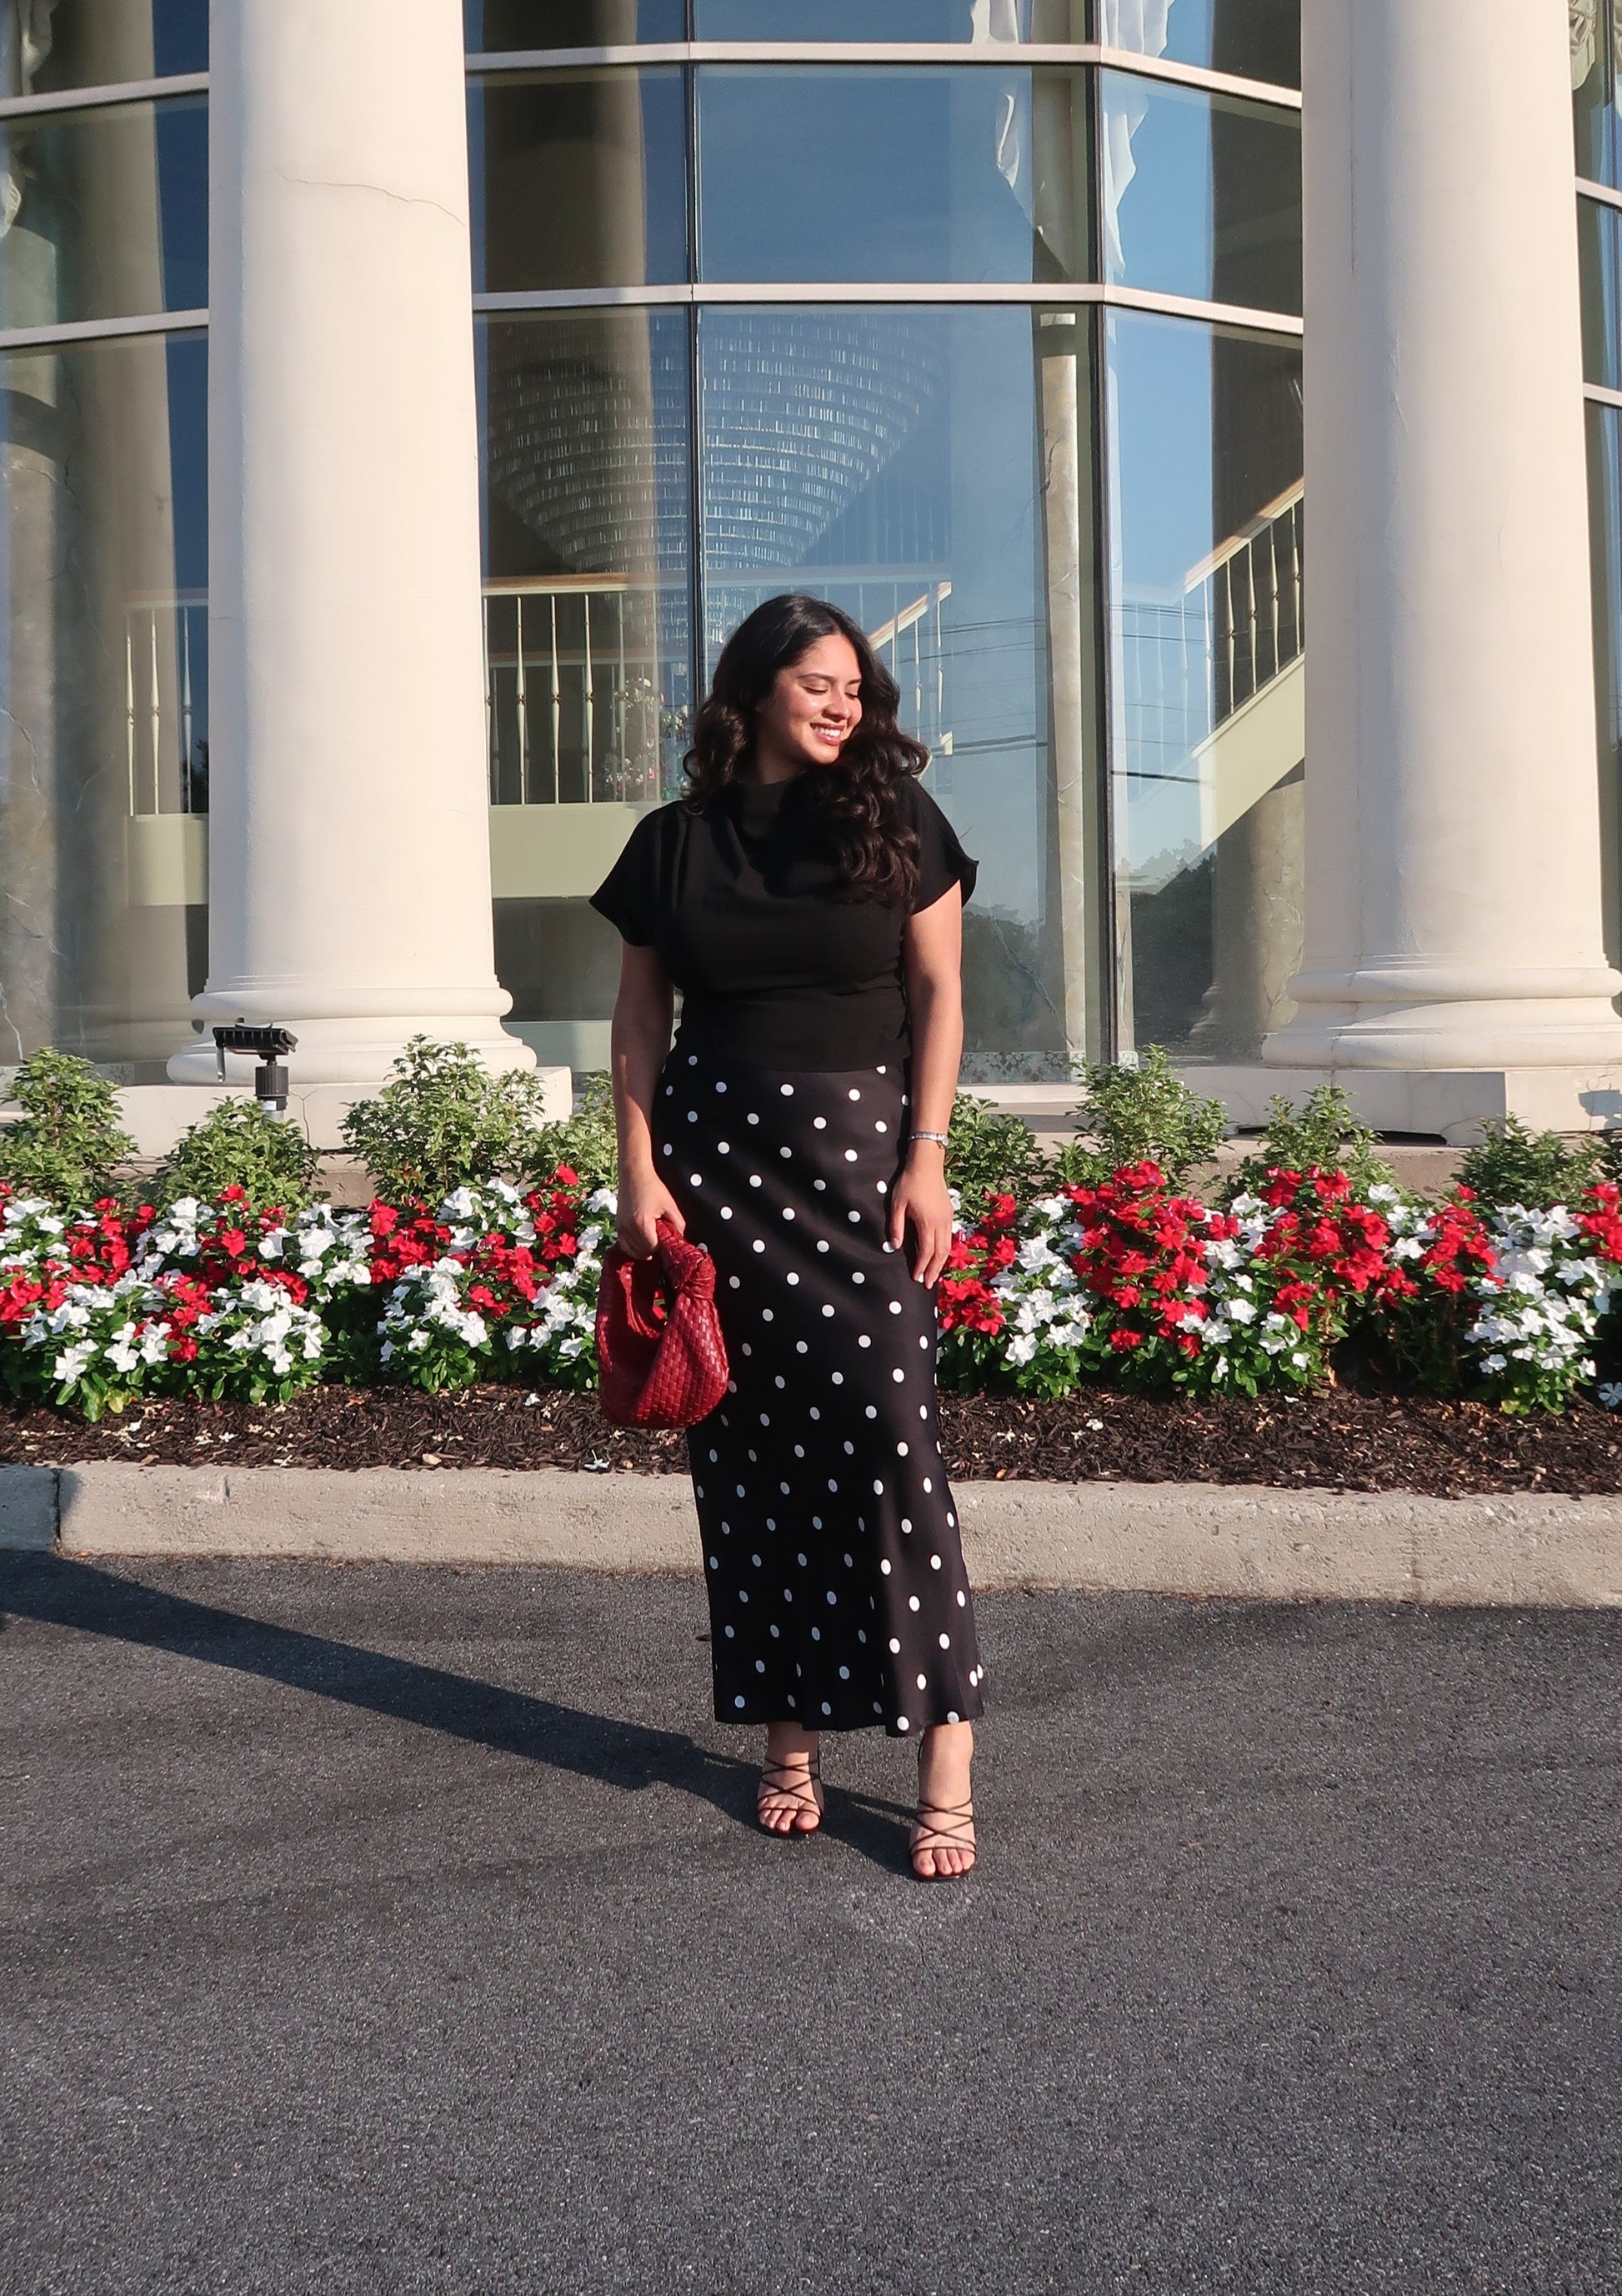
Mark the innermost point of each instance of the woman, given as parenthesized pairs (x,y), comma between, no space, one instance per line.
(806,895)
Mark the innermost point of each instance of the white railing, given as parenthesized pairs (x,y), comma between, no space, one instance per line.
(575,709)
(1187,662)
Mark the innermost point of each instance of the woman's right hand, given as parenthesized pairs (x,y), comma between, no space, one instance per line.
(642,1203)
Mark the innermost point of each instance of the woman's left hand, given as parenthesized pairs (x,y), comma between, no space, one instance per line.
(920,1195)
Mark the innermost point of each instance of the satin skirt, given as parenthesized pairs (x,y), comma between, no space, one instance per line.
(838,1596)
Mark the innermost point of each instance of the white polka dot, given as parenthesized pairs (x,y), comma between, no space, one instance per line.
(862,1340)
(765,1315)
(723,1147)
(872,1412)
(821,1122)
(737,1702)
(754,1179)
(712,1458)
(727,1213)
(752,1119)
(853,1093)
(951,1519)
(924,1338)
(878,1488)
(856,1275)
(928,1485)
(881,1126)
(827,1308)
(792,1277)
(816,1634)
(961,1599)
(894,1309)
(787,1091)
(851,1563)
(884,1566)
(760,1666)
(759,1245)
(901,1721)
(854,1217)
(693,1116)
(785,1152)
(883,1186)
(732,1631)
(821,1243)
(934,1561)
(951,1716)
(788,1211)
(844,1674)
(832,1597)
(906,1522)
(912,1602)
(850,1155)
(826,1708)
(814,1413)
(799,1453)
(895,1645)
(850,1448)
(901,1450)
(945,1641)
(924,1682)
(667,1150)
(714,1562)
(837,1378)
(819,1183)
(780,1380)
(898,1376)
(923,1413)
(695,1179)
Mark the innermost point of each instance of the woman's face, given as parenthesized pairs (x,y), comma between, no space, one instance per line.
(814,707)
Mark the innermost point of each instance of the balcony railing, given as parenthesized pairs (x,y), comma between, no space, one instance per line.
(165,705)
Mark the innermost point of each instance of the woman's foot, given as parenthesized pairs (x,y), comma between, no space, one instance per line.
(943,1846)
(790,1796)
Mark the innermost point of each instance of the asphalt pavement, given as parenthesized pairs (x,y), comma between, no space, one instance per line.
(396,1929)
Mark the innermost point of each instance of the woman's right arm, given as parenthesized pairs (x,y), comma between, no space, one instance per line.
(639,1040)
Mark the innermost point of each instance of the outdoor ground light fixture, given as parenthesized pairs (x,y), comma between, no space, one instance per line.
(264,1045)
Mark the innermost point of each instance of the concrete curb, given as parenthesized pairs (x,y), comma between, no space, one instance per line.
(1168,1538)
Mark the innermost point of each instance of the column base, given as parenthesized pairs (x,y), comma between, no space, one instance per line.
(1456,1105)
(354,1050)
(155,1115)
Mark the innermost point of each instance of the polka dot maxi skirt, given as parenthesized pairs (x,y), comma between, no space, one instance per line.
(838,1596)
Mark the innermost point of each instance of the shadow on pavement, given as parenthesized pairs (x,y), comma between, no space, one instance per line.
(55,1591)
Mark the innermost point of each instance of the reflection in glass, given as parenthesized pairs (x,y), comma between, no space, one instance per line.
(1596,50)
(1207,630)
(893,460)
(103,699)
(1599,244)
(578,180)
(111,212)
(976,23)
(1605,545)
(494,26)
(943,173)
(1254,39)
(65,44)
(1201,194)
(587,473)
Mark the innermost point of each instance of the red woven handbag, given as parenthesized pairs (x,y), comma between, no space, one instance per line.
(660,1356)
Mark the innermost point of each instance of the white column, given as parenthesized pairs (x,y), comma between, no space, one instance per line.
(348,846)
(1453,889)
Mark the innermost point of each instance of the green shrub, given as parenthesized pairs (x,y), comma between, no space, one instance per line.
(988,1153)
(240,1144)
(68,1143)
(585,1141)
(1515,1165)
(442,1121)
(1139,1110)
(1322,1131)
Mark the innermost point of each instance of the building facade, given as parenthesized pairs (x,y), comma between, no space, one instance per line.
(404,403)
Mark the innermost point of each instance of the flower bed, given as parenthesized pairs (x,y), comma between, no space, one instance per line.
(1130,1284)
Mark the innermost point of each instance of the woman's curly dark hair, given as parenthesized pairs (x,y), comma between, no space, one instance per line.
(853,804)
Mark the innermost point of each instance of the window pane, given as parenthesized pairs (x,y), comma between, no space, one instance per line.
(943,173)
(587,475)
(1256,39)
(1201,194)
(578,180)
(98,43)
(892,19)
(893,462)
(111,212)
(1605,540)
(1599,242)
(493,26)
(103,699)
(1207,722)
(1594,89)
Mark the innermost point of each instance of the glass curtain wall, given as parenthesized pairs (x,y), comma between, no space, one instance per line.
(1596,84)
(721,368)
(103,625)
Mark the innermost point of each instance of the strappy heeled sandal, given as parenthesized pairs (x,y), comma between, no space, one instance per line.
(944,1825)
(801,1780)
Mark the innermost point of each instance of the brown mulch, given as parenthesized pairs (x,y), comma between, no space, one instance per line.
(1341,1440)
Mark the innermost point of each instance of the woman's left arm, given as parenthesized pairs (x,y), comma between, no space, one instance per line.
(932,953)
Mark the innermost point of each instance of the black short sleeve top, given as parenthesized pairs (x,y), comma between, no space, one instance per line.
(744,905)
